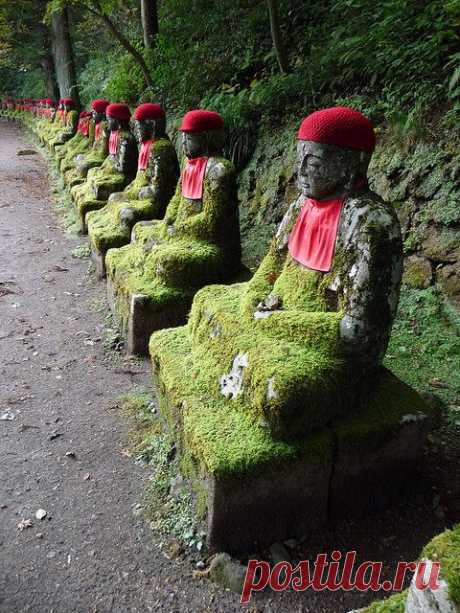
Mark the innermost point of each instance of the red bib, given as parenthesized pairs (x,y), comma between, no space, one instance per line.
(83,126)
(113,142)
(193,177)
(144,155)
(312,240)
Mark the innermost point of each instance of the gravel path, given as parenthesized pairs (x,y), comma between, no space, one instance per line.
(62,441)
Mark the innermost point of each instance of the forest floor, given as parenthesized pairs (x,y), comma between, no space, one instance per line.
(63,443)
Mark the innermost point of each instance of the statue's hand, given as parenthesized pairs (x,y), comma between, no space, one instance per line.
(127,218)
(145,193)
(116,197)
(267,306)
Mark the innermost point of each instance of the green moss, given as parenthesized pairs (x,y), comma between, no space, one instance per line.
(425,345)
(222,441)
(394,604)
(445,548)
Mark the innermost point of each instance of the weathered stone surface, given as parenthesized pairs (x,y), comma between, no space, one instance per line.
(417,272)
(429,601)
(441,245)
(227,572)
(448,277)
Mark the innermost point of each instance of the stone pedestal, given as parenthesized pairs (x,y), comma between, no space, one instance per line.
(252,489)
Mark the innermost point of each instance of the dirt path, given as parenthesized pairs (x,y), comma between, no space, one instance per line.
(94,552)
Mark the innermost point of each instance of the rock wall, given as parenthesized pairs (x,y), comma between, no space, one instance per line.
(421,179)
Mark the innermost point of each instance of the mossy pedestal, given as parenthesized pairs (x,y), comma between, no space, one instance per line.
(151,282)
(110,227)
(251,487)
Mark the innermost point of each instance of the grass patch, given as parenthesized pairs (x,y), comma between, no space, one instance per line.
(82,252)
(169,509)
(425,347)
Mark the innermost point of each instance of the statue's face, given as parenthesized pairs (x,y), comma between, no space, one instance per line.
(327,171)
(199,144)
(112,123)
(98,117)
(194,144)
(145,130)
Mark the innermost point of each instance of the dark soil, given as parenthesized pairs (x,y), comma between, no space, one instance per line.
(62,443)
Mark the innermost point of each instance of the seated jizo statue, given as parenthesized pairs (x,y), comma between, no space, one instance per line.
(82,162)
(275,387)
(77,144)
(118,169)
(69,127)
(147,196)
(152,281)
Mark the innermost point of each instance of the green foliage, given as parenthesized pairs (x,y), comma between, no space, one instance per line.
(425,345)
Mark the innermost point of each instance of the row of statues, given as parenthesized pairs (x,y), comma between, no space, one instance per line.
(243,367)
(318,311)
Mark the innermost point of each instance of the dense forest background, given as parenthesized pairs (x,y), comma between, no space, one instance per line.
(397,60)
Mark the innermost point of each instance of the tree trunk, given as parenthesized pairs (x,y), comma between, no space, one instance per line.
(149,12)
(277,37)
(137,56)
(47,63)
(63,57)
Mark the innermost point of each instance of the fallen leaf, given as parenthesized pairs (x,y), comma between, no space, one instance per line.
(24,524)
(58,268)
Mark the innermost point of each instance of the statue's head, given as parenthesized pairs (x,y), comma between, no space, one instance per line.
(333,154)
(68,104)
(149,122)
(202,134)
(118,116)
(98,109)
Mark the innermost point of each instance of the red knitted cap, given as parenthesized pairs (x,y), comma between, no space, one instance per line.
(149,111)
(118,110)
(339,126)
(48,101)
(84,114)
(100,105)
(200,121)
(68,101)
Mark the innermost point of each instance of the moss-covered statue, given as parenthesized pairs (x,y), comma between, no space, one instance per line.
(53,121)
(118,169)
(152,281)
(69,127)
(82,162)
(78,144)
(147,196)
(281,409)
(46,111)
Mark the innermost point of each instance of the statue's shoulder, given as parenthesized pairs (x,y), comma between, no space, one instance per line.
(219,168)
(163,146)
(367,210)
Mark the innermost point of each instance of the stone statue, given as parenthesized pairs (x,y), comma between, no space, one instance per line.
(310,330)
(99,150)
(153,280)
(147,196)
(69,127)
(78,144)
(274,391)
(117,170)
